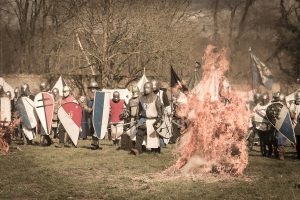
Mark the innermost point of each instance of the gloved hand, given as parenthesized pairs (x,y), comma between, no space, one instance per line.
(157,123)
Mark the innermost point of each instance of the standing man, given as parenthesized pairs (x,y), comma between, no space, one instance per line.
(25,92)
(88,109)
(149,113)
(263,126)
(166,109)
(15,114)
(132,108)
(117,107)
(295,111)
(55,120)
(280,138)
(67,97)
(44,136)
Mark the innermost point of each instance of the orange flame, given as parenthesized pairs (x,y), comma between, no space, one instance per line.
(215,138)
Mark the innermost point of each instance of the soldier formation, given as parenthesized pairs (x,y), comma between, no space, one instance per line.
(134,119)
(272,142)
(132,126)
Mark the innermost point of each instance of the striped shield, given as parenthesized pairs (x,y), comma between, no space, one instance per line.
(44,106)
(101,113)
(70,115)
(279,116)
(27,113)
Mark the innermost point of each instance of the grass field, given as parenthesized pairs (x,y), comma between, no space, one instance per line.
(79,173)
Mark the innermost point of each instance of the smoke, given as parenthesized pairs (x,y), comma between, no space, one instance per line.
(217,123)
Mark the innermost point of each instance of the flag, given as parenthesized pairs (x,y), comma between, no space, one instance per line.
(260,73)
(176,81)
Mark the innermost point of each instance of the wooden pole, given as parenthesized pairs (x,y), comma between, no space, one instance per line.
(84,53)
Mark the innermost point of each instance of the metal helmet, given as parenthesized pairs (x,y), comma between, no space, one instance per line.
(17,91)
(265,98)
(93,84)
(155,85)
(24,89)
(135,91)
(282,98)
(1,89)
(66,91)
(257,97)
(55,92)
(43,86)
(276,96)
(297,97)
(116,96)
(148,88)
(8,94)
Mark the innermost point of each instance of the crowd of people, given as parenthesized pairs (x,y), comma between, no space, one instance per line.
(272,142)
(130,124)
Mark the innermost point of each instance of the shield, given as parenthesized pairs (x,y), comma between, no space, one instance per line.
(5,111)
(44,106)
(25,107)
(163,128)
(70,115)
(101,113)
(279,116)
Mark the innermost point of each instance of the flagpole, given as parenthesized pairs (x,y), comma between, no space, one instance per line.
(251,71)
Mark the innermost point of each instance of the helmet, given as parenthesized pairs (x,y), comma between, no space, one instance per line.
(43,86)
(116,96)
(55,92)
(282,98)
(66,91)
(297,97)
(17,91)
(93,84)
(155,85)
(8,94)
(24,88)
(276,96)
(265,98)
(257,97)
(148,88)
(135,91)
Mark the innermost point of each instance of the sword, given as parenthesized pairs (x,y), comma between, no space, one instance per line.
(177,124)
(121,124)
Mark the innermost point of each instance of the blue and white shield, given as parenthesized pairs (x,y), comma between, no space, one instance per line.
(101,113)
(279,116)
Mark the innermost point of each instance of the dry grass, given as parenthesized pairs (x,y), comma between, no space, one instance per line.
(50,173)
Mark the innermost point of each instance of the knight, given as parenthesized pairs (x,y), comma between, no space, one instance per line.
(117,110)
(55,120)
(295,116)
(67,97)
(262,126)
(149,114)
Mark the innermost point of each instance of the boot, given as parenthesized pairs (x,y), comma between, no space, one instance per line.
(59,145)
(135,152)
(281,152)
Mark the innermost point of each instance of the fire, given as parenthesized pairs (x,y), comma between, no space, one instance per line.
(5,135)
(218,123)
